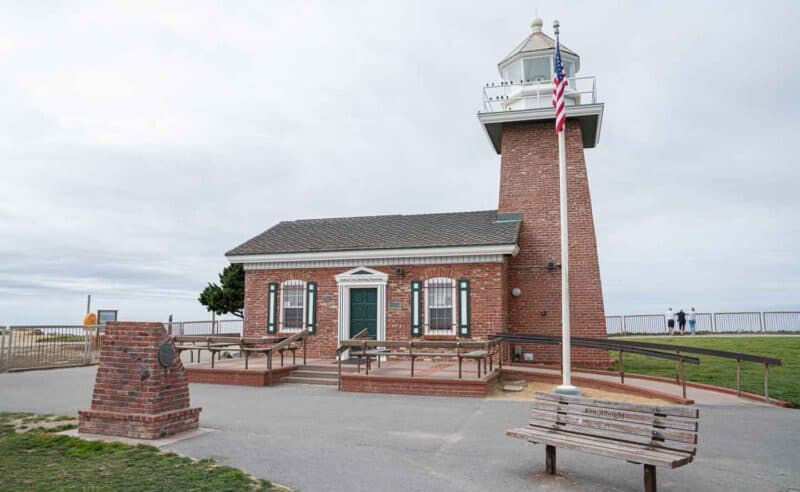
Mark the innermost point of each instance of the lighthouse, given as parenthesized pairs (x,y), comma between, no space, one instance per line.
(519,120)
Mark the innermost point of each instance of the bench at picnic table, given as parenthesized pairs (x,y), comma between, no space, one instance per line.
(650,435)
(482,355)
(245,345)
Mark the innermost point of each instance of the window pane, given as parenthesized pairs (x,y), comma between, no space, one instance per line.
(293,302)
(537,68)
(441,319)
(293,317)
(440,304)
(570,68)
(511,72)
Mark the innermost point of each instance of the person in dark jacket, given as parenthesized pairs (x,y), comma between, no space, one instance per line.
(681,321)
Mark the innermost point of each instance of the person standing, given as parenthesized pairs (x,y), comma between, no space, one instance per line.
(681,322)
(670,321)
(692,321)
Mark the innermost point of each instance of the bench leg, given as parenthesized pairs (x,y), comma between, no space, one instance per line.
(459,368)
(649,478)
(550,459)
(246,359)
(294,359)
(212,360)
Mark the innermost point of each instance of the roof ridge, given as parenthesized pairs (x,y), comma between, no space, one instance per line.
(327,219)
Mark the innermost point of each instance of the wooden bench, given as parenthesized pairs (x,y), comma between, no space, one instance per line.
(650,435)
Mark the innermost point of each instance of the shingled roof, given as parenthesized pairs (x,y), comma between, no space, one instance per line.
(481,228)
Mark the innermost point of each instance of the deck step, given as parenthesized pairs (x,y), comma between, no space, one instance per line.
(304,373)
(307,380)
(330,368)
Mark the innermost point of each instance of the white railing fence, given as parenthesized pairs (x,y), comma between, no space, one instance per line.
(731,322)
(48,346)
(208,327)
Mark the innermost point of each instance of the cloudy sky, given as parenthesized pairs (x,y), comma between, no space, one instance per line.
(140,141)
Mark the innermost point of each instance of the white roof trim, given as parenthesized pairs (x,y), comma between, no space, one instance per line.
(368,254)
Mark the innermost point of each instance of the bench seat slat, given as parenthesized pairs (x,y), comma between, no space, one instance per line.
(575,430)
(638,453)
(679,423)
(632,407)
(616,426)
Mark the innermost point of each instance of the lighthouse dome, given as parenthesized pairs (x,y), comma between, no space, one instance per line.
(532,59)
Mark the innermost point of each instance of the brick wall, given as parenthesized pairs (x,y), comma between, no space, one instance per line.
(529,184)
(487,299)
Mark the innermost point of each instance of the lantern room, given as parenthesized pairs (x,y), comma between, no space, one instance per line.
(525,89)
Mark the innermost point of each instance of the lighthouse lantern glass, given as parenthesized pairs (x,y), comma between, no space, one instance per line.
(537,69)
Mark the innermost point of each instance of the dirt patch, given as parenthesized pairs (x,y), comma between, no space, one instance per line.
(496,392)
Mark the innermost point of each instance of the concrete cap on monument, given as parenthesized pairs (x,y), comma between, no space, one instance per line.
(525,89)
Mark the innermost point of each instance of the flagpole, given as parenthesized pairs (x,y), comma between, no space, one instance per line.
(566,387)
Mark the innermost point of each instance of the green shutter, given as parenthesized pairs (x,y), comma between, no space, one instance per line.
(311,307)
(272,307)
(463,308)
(416,308)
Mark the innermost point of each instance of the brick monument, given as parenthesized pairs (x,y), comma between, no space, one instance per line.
(140,390)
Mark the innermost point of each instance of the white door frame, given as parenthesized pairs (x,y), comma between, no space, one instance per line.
(360,277)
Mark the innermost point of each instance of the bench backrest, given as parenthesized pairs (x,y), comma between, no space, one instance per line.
(663,427)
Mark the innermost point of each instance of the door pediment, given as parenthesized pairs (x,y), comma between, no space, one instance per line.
(362,275)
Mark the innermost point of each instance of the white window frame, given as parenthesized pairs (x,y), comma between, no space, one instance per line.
(427,306)
(281,326)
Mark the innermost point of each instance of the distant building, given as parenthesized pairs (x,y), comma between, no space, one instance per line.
(452,275)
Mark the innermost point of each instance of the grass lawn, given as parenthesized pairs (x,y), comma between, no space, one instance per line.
(784,381)
(32,457)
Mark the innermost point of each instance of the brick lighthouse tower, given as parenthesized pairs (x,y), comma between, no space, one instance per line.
(519,120)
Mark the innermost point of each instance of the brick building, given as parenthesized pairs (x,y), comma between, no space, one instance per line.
(452,275)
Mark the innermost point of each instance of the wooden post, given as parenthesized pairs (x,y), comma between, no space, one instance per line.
(411,356)
(281,352)
(458,354)
(304,351)
(339,356)
(738,378)
(500,347)
(269,367)
(246,359)
(683,378)
(550,459)
(766,382)
(649,478)
(621,369)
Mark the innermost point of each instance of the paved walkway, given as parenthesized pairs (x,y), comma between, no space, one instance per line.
(699,395)
(316,438)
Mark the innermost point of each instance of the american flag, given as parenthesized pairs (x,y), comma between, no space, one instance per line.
(559,84)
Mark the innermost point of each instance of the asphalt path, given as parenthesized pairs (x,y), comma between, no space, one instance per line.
(317,438)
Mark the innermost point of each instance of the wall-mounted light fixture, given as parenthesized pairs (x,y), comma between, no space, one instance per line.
(516,292)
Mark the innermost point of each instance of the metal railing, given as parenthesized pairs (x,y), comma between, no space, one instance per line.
(50,346)
(207,327)
(728,322)
(536,94)
(676,353)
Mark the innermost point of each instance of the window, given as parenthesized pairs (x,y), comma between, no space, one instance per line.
(293,294)
(537,69)
(569,66)
(511,72)
(440,306)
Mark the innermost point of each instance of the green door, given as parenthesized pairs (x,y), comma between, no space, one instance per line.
(364,311)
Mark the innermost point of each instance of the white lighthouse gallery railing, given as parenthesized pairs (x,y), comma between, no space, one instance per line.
(521,95)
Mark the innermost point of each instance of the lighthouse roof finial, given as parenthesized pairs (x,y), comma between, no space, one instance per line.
(536,25)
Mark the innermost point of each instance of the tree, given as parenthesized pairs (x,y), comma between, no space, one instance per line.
(227,297)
